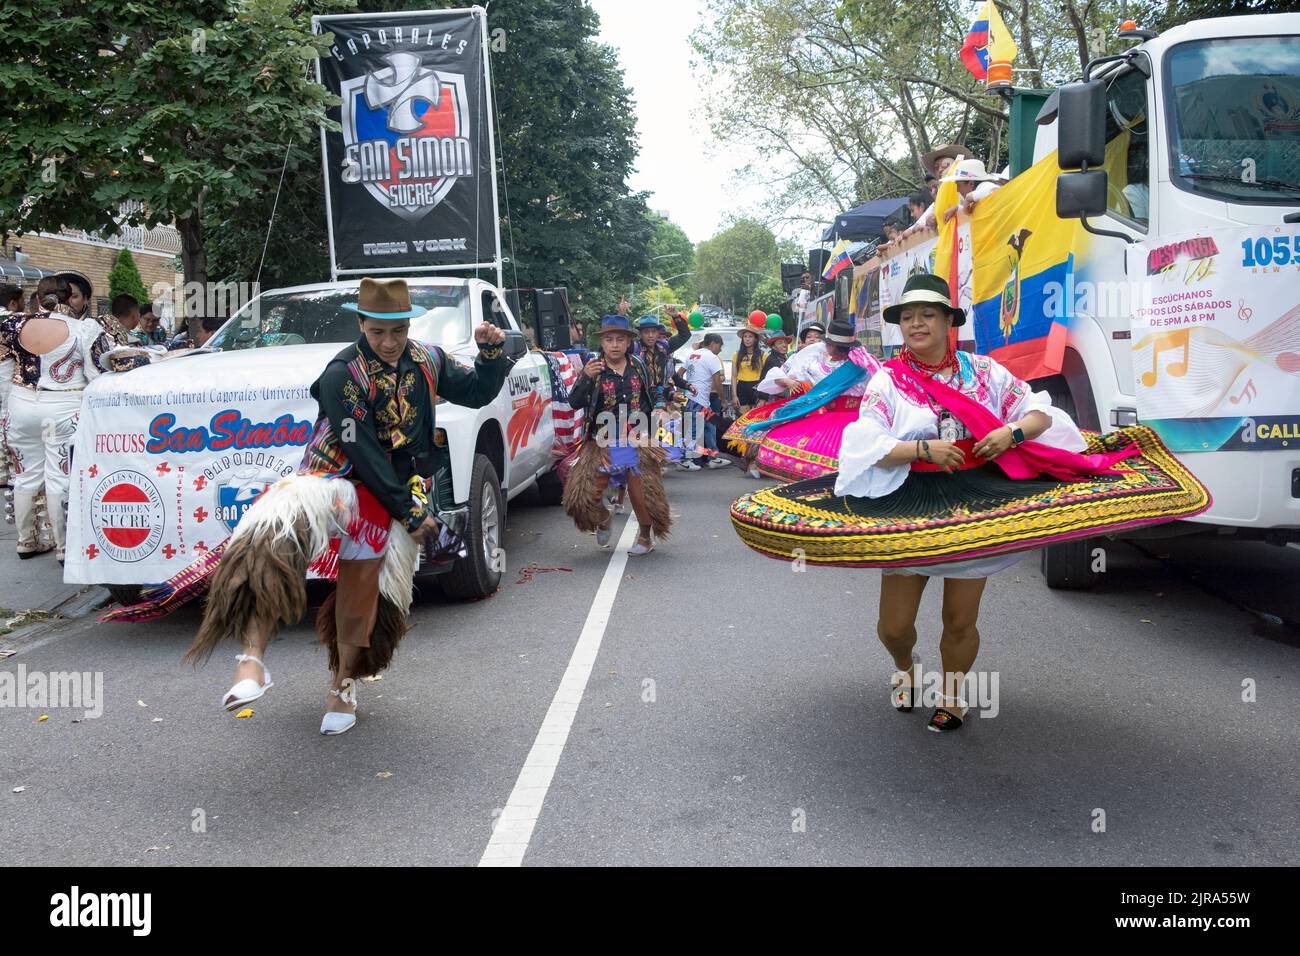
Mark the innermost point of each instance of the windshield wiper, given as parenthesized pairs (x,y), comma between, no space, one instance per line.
(1236,181)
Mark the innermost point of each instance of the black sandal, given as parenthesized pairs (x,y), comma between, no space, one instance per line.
(903,698)
(944,720)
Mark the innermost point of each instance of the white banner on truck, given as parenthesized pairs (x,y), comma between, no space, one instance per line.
(919,258)
(1216,338)
(164,469)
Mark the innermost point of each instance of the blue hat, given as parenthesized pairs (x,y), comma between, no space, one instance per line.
(648,322)
(616,323)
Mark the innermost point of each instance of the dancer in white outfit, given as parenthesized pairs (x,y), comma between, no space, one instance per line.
(56,357)
(11,300)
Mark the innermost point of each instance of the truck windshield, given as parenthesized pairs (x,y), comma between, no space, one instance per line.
(1236,108)
(311,318)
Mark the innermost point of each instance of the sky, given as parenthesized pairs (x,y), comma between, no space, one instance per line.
(690,176)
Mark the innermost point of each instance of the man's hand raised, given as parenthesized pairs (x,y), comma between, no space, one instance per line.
(488,334)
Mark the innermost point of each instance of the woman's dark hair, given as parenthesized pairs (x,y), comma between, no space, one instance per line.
(67,281)
(8,293)
(753,356)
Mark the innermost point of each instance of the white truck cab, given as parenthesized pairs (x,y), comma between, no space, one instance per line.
(1207,118)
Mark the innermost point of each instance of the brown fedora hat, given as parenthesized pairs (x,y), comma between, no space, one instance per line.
(954,150)
(385,299)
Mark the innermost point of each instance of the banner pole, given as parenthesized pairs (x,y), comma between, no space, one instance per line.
(492,144)
(329,206)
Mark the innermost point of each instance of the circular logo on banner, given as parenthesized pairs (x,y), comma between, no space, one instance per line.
(126,512)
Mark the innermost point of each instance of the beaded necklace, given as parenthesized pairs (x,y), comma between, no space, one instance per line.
(948,362)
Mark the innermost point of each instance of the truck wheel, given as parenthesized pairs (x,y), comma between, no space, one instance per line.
(550,488)
(477,574)
(125,594)
(1068,566)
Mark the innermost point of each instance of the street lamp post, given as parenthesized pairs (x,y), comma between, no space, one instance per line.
(659,292)
(749,285)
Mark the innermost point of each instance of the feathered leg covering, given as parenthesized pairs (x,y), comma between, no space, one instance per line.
(391,621)
(263,570)
(582,500)
(652,487)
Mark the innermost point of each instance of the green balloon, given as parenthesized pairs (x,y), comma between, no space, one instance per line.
(774,323)
(695,320)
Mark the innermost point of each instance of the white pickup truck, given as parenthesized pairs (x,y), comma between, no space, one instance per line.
(169,456)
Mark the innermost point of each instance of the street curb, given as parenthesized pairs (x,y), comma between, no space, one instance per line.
(90,598)
(72,608)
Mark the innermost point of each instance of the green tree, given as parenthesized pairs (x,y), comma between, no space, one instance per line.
(195,104)
(769,296)
(671,253)
(730,264)
(124,278)
(566,147)
(842,99)
(791,250)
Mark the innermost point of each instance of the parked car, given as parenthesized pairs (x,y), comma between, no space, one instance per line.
(730,344)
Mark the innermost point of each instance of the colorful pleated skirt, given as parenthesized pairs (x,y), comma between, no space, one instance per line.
(807,447)
(976,513)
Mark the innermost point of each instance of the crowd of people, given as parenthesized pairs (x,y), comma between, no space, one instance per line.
(953,163)
(52,345)
(912,466)
(918,465)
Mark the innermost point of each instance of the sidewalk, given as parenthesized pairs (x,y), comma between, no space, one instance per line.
(37,585)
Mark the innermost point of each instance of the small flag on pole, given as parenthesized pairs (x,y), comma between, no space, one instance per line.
(839,261)
(989,49)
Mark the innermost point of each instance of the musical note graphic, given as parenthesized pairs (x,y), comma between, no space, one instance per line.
(1179,338)
(1243,312)
(1221,362)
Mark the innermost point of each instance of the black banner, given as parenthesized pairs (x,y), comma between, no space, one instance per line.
(410,177)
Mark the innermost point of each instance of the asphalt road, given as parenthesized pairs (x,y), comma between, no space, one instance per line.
(735,713)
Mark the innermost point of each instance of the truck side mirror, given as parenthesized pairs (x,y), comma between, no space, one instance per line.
(516,345)
(1081,194)
(1081,125)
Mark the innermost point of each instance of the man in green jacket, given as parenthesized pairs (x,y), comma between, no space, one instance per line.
(363,479)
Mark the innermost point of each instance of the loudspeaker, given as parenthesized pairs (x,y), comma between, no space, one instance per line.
(817,259)
(553,319)
(791,274)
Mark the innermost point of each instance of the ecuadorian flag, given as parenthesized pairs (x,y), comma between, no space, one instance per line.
(988,40)
(1023,259)
(839,261)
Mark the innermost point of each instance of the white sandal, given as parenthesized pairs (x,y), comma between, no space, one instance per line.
(247,690)
(337,722)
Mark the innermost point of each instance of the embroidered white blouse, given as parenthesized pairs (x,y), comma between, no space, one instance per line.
(811,364)
(67,367)
(892,412)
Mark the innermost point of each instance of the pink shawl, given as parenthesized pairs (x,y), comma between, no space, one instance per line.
(1028,459)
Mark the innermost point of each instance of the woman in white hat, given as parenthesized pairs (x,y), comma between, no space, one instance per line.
(974,182)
